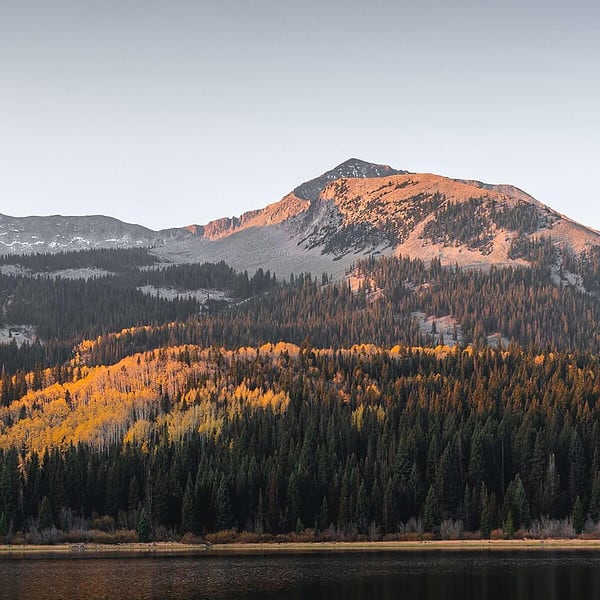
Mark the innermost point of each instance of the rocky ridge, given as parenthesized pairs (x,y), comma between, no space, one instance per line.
(355,209)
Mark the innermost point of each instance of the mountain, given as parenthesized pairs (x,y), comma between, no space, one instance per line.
(410,397)
(323,225)
(57,233)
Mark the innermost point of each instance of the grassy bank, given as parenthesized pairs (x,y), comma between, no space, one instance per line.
(135,550)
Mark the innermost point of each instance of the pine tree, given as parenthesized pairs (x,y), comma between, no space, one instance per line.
(160,497)
(578,515)
(577,466)
(516,502)
(261,514)
(45,519)
(390,510)
(521,502)
(112,491)
(133,494)
(361,516)
(293,502)
(143,525)
(467,512)
(486,516)
(224,510)
(323,521)
(432,515)
(10,480)
(509,527)
(536,471)
(595,498)
(551,488)
(344,511)
(189,521)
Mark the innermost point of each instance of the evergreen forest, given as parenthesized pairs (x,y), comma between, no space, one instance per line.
(300,406)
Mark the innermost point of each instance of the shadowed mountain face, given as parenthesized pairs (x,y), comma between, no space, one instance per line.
(355,209)
(63,233)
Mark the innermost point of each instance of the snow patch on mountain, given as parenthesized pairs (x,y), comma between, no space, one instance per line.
(444,330)
(18,334)
(82,273)
(202,295)
(15,271)
(79,273)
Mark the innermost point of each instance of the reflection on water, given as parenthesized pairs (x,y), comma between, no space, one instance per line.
(431,576)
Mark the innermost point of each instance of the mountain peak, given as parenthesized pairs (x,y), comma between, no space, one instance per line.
(350,168)
(356,163)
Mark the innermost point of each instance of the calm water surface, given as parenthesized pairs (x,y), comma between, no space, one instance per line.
(454,576)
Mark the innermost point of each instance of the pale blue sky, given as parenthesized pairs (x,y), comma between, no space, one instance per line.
(170,113)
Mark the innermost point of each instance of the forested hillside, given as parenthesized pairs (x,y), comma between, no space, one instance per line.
(536,306)
(68,297)
(282,438)
(306,403)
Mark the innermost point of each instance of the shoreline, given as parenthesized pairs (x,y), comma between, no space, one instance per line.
(176,549)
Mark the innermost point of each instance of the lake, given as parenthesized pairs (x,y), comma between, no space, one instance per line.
(370,576)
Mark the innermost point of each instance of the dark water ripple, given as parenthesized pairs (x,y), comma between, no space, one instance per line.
(414,576)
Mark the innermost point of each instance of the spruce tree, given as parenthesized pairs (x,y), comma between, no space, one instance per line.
(552,488)
(486,516)
(509,526)
(361,515)
(432,515)
(224,510)
(45,518)
(323,521)
(578,515)
(293,502)
(143,525)
(3,524)
(189,521)
(595,498)
(133,494)
(10,481)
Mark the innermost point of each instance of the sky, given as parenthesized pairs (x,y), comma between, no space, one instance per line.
(167,113)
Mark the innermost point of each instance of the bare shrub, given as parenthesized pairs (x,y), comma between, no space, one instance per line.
(125,536)
(413,525)
(191,539)
(451,530)
(331,534)
(122,520)
(65,518)
(161,533)
(552,528)
(374,532)
(17,539)
(33,537)
(222,537)
(52,536)
(104,523)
